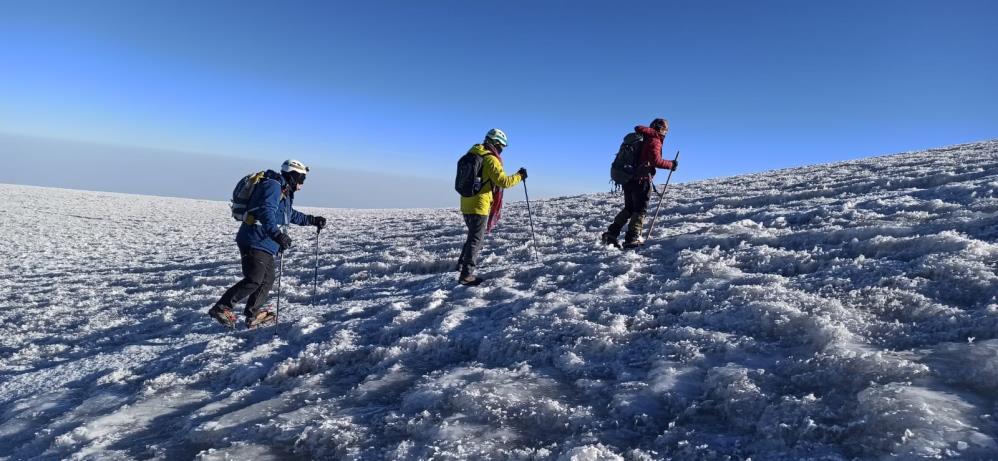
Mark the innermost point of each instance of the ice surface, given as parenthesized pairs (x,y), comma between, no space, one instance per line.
(843,311)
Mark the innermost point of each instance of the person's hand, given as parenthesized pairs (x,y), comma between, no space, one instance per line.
(675,165)
(319,222)
(522,172)
(282,240)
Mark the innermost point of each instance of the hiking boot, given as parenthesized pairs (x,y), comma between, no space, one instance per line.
(606,239)
(469,280)
(633,243)
(260,318)
(223,315)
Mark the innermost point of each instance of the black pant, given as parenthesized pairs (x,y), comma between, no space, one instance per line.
(476,236)
(637,194)
(258,278)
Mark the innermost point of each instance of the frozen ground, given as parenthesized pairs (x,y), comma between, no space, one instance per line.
(843,311)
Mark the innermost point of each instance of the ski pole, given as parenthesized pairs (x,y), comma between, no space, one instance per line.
(530,215)
(280,274)
(315,280)
(660,198)
(655,188)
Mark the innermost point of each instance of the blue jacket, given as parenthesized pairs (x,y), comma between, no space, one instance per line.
(271,209)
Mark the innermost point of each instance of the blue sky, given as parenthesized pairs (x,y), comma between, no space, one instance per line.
(404,88)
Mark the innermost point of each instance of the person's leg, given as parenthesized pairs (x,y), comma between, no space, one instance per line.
(264,266)
(252,278)
(634,227)
(613,232)
(466,249)
(476,237)
(619,221)
(641,194)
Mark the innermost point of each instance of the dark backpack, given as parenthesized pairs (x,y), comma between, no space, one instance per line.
(241,196)
(468,181)
(625,164)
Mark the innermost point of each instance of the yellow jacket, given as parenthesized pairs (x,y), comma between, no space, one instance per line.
(492,175)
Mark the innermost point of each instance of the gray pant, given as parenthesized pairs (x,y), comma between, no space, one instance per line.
(476,237)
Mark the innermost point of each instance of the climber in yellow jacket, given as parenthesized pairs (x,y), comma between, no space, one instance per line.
(481,200)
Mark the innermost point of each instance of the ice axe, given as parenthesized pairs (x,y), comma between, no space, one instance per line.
(660,197)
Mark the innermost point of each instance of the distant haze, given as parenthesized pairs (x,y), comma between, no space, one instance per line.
(88,166)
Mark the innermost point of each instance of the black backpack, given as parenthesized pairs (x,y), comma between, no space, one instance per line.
(625,164)
(468,181)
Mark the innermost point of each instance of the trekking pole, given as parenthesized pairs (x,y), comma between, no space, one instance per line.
(660,197)
(315,280)
(530,215)
(655,188)
(280,274)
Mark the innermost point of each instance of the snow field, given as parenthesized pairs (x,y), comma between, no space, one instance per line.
(832,312)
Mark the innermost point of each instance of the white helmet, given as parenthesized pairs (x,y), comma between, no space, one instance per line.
(295,166)
(497,136)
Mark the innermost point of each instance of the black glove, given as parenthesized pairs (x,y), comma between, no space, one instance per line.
(319,221)
(675,165)
(522,172)
(282,239)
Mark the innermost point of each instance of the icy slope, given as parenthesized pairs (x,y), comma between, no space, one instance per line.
(835,312)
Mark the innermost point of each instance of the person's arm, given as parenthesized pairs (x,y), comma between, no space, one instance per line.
(656,153)
(492,170)
(300,218)
(661,163)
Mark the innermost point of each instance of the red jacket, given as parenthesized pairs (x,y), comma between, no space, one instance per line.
(651,154)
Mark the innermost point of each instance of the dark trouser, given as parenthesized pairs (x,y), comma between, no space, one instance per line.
(258,277)
(476,236)
(636,197)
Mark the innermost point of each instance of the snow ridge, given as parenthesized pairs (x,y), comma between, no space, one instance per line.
(843,311)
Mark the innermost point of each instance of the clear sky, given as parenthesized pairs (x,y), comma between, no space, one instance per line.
(404,88)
